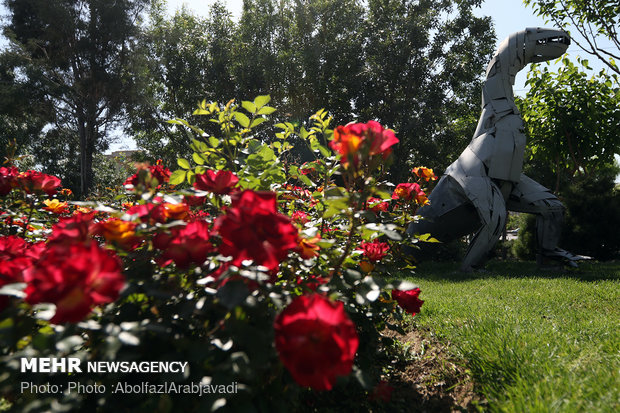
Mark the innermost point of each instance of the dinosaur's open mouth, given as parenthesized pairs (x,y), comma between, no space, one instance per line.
(554,40)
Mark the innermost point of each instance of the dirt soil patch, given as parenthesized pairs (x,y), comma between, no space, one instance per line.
(428,378)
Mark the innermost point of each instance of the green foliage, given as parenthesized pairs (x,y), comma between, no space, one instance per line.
(592,19)
(593,205)
(571,120)
(525,246)
(534,341)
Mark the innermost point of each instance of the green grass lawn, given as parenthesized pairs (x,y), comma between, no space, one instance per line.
(534,340)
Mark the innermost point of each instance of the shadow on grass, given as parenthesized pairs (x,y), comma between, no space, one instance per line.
(587,271)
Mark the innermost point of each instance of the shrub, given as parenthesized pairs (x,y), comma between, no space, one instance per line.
(524,247)
(264,278)
(592,220)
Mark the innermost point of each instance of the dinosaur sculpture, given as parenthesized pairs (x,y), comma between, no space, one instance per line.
(477,189)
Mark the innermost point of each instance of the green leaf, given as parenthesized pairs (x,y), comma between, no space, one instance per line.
(324,151)
(200,111)
(183,163)
(242,119)
(198,159)
(306,180)
(427,238)
(267,110)
(178,177)
(214,142)
(179,122)
(249,106)
(257,122)
(191,177)
(262,100)
(198,146)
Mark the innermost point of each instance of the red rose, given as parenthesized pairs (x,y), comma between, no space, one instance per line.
(157,171)
(143,212)
(357,141)
(75,229)
(252,229)
(220,182)
(187,245)
(300,217)
(316,341)
(375,251)
(33,181)
(13,262)
(16,255)
(408,300)
(75,278)
(409,191)
(8,179)
(312,281)
(160,172)
(193,200)
(377,205)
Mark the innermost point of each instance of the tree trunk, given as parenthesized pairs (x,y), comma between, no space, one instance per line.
(88,138)
(83,153)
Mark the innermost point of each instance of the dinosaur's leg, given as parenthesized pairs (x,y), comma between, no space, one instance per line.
(449,215)
(530,197)
(491,209)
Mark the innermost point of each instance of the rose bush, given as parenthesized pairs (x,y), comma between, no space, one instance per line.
(250,269)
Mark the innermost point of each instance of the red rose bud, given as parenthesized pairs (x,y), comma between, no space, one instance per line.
(375,251)
(220,182)
(92,276)
(408,300)
(316,341)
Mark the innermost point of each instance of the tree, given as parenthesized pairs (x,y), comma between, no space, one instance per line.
(76,55)
(571,120)
(187,59)
(414,66)
(423,67)
(591,19)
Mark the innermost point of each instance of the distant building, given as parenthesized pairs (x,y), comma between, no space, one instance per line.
(122,154)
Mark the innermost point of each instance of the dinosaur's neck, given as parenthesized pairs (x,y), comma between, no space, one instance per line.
(500,78)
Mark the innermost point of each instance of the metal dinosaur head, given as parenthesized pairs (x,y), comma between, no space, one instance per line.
(535,44)
(528,46)
(540,44)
